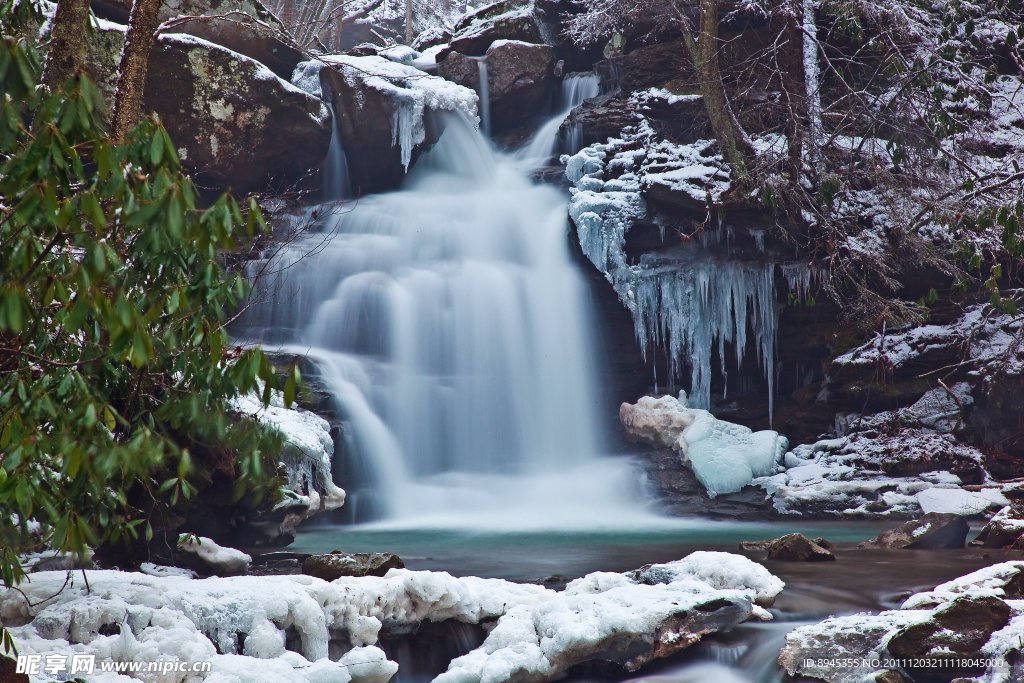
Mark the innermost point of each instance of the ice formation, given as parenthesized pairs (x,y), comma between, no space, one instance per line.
(691,307)
(308,452)
(293,628)
(724,456)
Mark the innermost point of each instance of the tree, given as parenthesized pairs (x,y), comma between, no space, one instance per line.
(310,22)
(131,79)
(116,376)
(67,43)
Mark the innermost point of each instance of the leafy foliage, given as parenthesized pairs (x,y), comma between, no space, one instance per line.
(116,374)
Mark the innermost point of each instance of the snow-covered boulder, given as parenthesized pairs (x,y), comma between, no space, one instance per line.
(724,456)
(212,558)
(519,79)
(626,619)
(1004,529)
(505,20)
(383,112)
(969,627)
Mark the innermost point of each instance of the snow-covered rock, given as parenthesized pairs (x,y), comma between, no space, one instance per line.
(242,624)
(934,530)
(967,627)
(724,456)
(381,108)
(214,558)
(306,458)
(1004,529)
(626,619)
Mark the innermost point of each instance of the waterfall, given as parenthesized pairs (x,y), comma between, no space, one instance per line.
(335,172)
(484,92)
(453,330)
(576,88)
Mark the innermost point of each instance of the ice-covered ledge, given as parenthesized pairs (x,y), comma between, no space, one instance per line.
(247,624)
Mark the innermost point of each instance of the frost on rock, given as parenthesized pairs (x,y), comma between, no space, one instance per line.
(690,307)
(628,619)
(724,456)
(958,620)
(219,558)
(412,92)
(308,452)
(894,463)
(242,624)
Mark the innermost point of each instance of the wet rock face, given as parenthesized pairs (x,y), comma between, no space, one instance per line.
(519,79)
(337,564)
(235,123)
(934,531)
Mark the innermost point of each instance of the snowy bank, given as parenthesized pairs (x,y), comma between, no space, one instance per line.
(299,628)
(967,627)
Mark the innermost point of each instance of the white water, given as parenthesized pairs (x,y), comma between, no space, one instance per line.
(335,173)
(453,330)
(576,88)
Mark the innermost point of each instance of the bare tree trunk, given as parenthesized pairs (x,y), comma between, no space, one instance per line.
(408,22)
(703,51)
(791,75)
(339,26)
(131,80)
(67,43)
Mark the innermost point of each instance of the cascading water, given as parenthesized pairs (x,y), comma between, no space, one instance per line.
(484,93)
(452,329)
(336,177)
(576,88)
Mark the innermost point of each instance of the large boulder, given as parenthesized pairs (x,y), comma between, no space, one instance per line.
(337,564)
(1004,529)
(235,123)
(383,112)
(270,46)
(519,78)
(935,530)
(505,20)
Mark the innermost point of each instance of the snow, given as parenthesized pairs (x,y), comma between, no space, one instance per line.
(308,453)
(412,91)
(161,570)
(239,624)
(724,456)
(601,610)
(220,558)
(958,501)
(862,638)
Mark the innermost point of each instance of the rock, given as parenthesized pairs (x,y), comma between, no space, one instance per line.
(383,115)
(508,20)
(798,548)
(890,676)
(119,10)
(520,79)
(9,671)
(254,39)
(234,122)
(654,421)
(52,561)
(1004,529)
(336,564)
(951,634)
(935,530)
(207,557)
